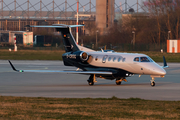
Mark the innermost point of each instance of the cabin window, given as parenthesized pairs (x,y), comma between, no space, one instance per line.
(109,59)
(123,59)
(119,59)
(136,59)
(114,59)
(104,58)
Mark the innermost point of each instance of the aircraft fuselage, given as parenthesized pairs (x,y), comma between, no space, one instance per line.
(120,64)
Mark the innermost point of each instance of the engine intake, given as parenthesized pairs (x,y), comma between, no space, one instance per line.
(84,56)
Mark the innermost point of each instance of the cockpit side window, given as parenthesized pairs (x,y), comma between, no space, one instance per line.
(136,59)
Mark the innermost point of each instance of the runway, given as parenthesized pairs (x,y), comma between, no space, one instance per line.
(63,85)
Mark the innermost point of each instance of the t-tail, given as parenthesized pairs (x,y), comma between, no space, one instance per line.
(68,39)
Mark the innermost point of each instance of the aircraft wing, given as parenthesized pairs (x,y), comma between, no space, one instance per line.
(57,71)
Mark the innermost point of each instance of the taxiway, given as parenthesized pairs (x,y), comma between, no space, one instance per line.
(63,85)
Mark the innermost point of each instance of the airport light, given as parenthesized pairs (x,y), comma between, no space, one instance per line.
(169,34)
(134,37)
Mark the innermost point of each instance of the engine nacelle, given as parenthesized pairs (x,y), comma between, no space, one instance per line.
(84,56)
(79,56)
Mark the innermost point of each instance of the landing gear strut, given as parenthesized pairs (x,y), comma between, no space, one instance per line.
(118,82)
(92,80)
(152,82)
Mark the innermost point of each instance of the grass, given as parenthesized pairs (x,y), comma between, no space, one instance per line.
(87,108)
(31,55)
(57,55)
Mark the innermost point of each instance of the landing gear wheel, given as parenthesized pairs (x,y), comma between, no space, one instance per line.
(152,84)
(118,83)
(90,82)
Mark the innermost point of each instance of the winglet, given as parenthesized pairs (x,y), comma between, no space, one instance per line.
(14,67)
(165,64)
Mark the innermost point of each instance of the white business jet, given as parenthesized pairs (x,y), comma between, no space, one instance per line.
(107,65)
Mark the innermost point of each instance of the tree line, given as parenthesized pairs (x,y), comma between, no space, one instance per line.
(159,23)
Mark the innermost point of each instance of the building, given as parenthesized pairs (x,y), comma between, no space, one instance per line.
(105,14)
(173,46)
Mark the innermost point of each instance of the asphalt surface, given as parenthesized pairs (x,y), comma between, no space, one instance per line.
(62,85)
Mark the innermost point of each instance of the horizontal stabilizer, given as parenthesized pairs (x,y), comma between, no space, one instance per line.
(55,26)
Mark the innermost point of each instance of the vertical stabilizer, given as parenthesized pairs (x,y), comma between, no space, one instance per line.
(68,39)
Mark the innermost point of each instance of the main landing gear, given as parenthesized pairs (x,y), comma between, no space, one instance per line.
(118,81)
(92,80)
(152,82)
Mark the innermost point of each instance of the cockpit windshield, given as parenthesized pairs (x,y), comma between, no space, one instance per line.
(143,59)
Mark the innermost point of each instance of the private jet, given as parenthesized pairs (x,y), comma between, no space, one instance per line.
(107,65)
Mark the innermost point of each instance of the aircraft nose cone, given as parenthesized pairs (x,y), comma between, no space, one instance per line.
(160,71)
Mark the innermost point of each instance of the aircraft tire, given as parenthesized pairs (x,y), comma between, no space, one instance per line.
(90,82)
(118,83)
(153,84)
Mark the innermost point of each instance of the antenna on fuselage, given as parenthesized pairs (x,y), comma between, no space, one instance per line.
(102,50)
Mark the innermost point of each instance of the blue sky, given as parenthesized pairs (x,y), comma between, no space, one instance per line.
(58,2)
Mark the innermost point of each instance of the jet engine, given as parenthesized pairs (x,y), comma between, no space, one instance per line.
(83,56)
(78,56)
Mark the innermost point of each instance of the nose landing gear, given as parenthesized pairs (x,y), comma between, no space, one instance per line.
(152,82)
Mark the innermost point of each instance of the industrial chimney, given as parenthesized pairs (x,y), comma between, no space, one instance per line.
(104,14)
